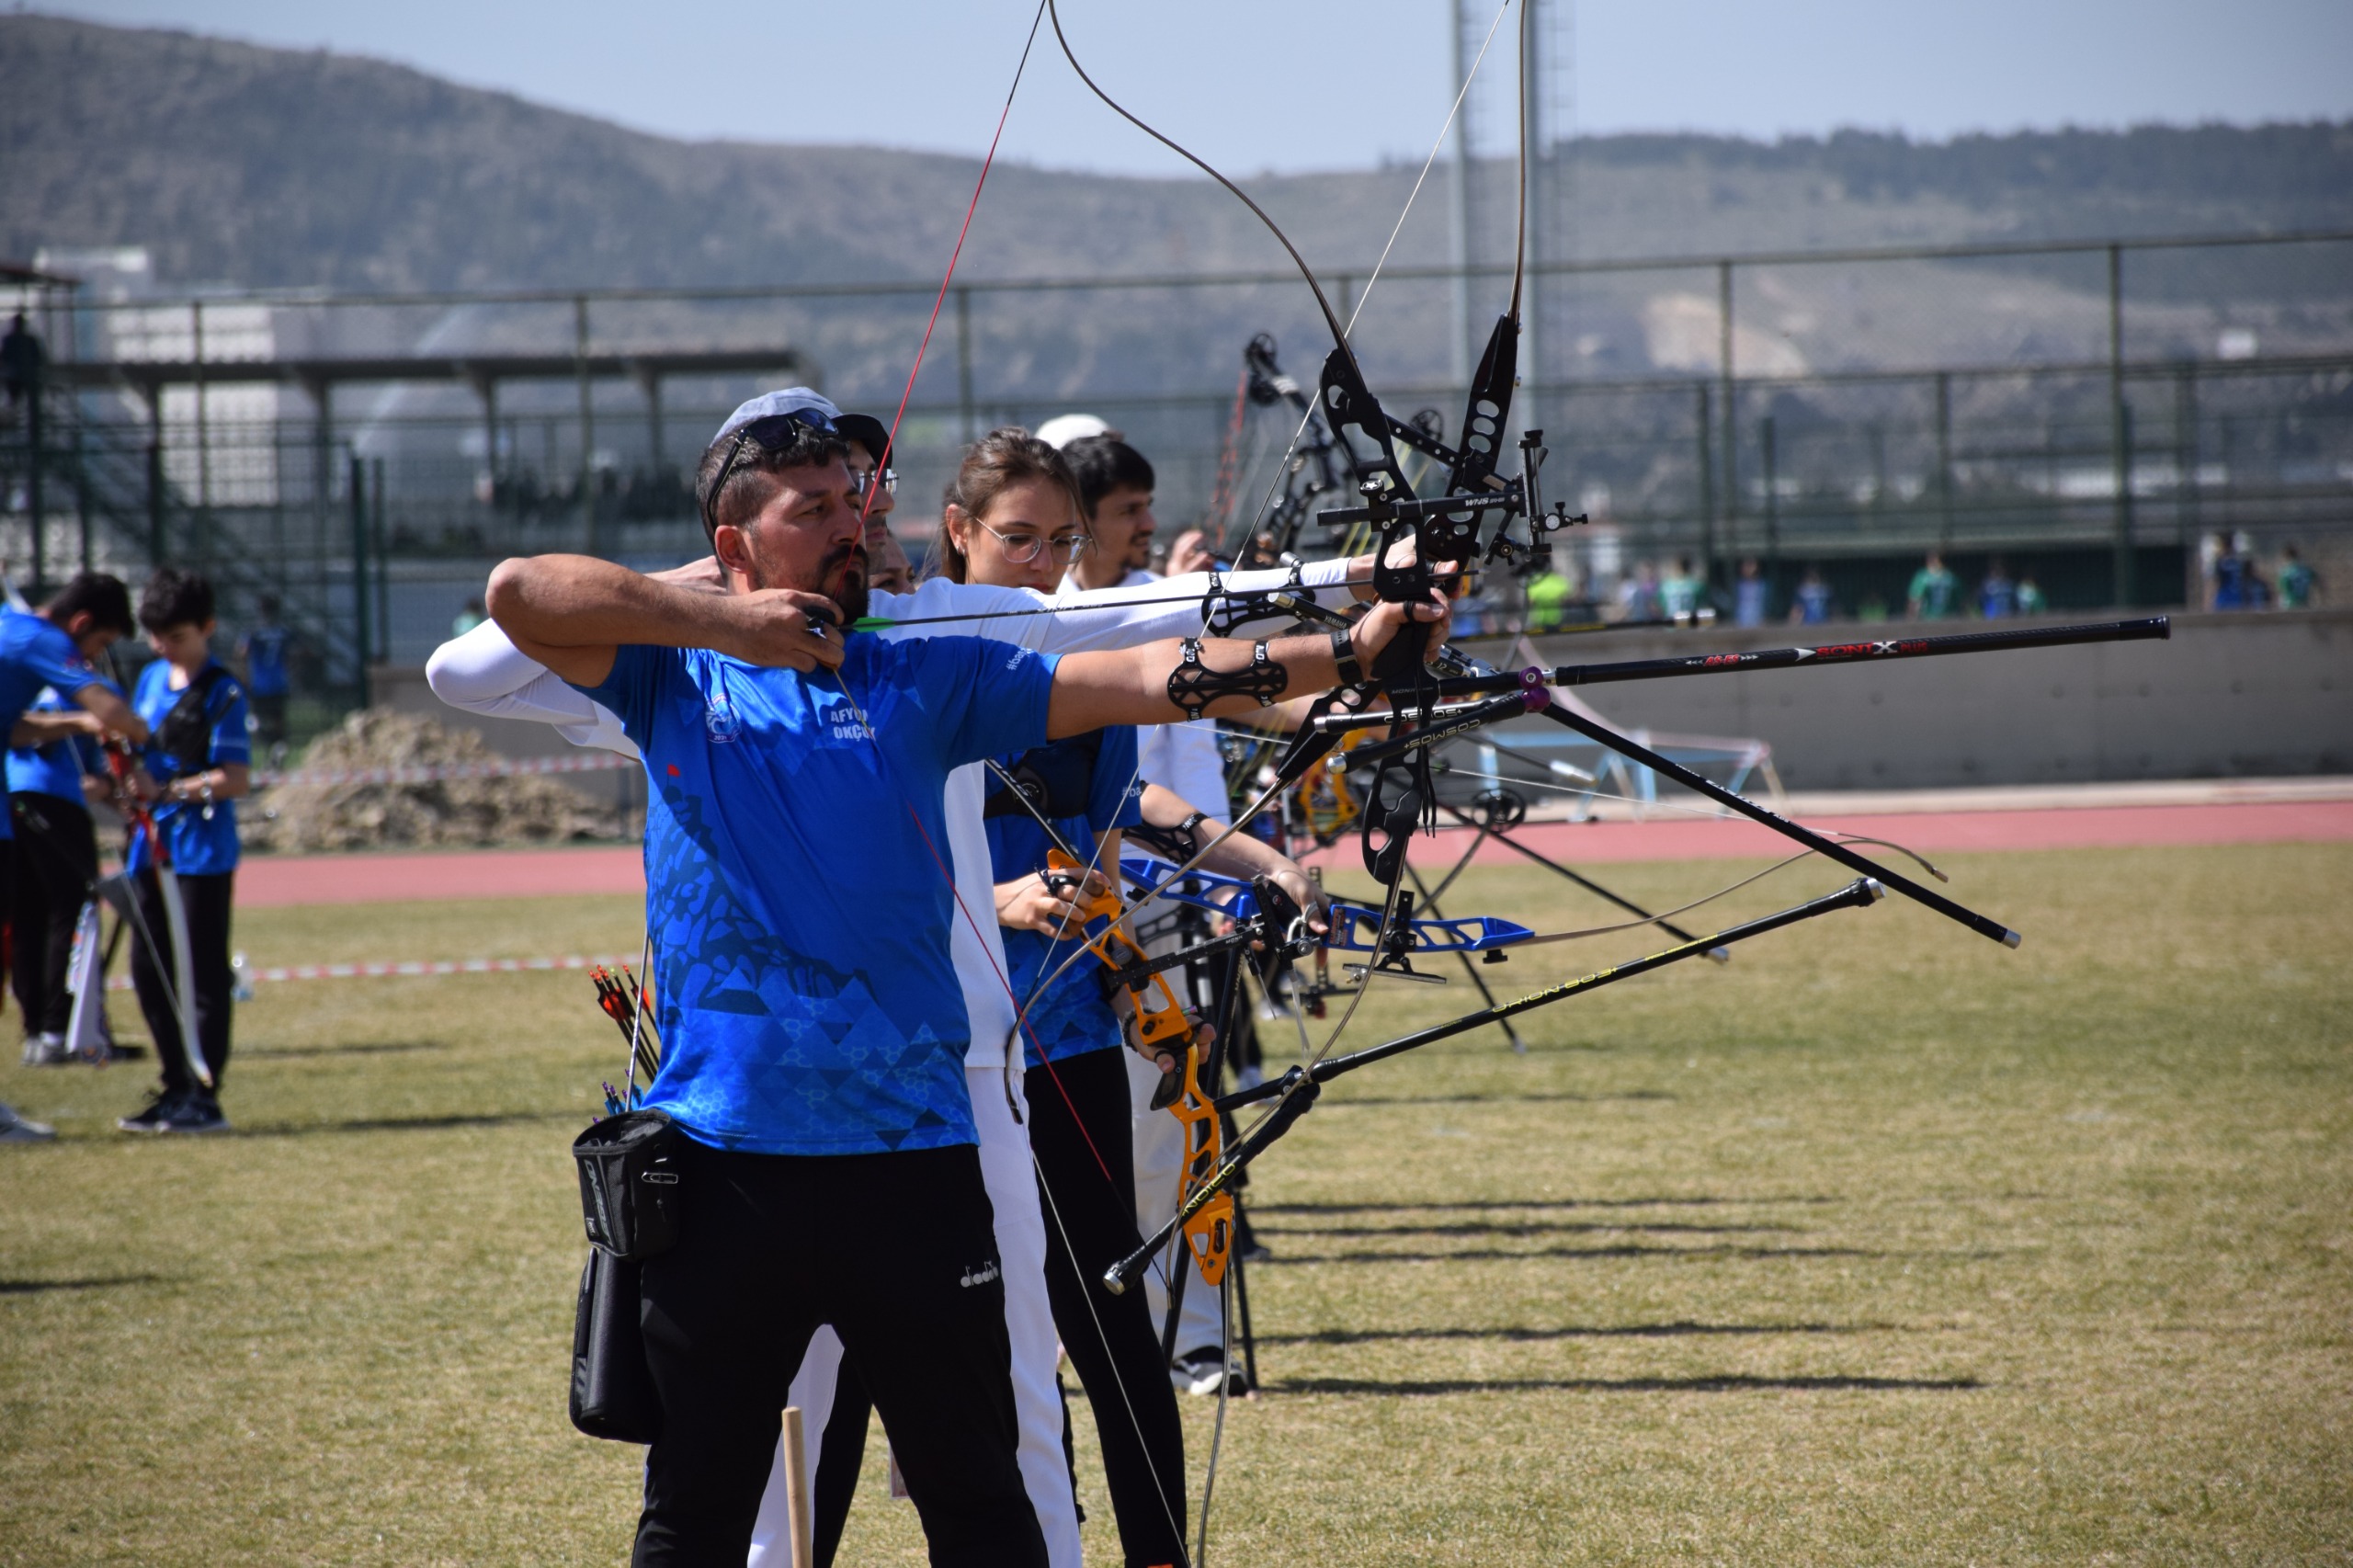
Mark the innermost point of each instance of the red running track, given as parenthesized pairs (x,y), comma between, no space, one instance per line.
(266,881)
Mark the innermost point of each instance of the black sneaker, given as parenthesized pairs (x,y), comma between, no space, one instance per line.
(161,1108)
(197,1113)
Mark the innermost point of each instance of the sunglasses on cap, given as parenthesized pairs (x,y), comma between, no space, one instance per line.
(770,432)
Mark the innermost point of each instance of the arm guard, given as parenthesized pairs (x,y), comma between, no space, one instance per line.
(1193,686)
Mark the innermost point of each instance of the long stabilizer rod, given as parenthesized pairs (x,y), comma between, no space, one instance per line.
(2148,628)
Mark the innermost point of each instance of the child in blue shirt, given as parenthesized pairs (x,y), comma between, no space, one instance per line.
(197,763)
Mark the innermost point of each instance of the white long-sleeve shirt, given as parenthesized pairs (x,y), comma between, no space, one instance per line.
(483,672)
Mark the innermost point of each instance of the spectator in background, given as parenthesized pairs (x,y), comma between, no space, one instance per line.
(2227,571)
(2296,580)
(1935,591)
(1678,596)
(263,649)
(197,765)
(1872,611)
(49,778)
(1810,606)
(1638,595)
(1751,597)
(474,614)
(1997,596)
(1548,599)
(2030,599)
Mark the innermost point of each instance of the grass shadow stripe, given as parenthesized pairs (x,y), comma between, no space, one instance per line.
(1475,1208)
(102,1282)
(1520,1336)
(1525,1228)
(1719,1384)
(410,1124)
(298,1053)
(1629,1249)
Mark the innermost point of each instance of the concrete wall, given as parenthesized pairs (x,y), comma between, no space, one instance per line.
(2228,695)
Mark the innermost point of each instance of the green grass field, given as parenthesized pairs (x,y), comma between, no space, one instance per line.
(1881,1245)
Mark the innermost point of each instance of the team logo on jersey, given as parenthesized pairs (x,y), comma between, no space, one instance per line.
(720,721)
(1015,659)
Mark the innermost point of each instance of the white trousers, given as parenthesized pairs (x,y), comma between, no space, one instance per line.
(1159,1170)
(1012,1182)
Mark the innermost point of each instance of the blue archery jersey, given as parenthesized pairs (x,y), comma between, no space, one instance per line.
(33,655)
(797,884)
(200,845)
(56,768)
(1072,1016)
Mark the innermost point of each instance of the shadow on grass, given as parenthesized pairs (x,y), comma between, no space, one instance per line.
(1540,1336)
(1507,1254)
(1335,1103)
(410,1124)
(1521,1203)
(1521,1227)
(40,1287)
(386,1048)
(1724,1384)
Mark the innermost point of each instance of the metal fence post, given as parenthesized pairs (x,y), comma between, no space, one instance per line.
(1731,420)
(36,452)
(383,559)
(362,641)
(2120,427)
(967,415)
(1943,460)
(1770,456)
(1703,464)
(587,424)
(155,542)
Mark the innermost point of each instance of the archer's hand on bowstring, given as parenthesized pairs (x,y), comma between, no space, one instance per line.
(1047,905)
(781,627)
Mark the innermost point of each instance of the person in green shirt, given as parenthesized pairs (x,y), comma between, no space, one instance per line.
(2295,580)
(1934,590)
(2030,599)
(1547,598)
(1679,593)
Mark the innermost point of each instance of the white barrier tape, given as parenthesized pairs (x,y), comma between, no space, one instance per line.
(436,773)
(439,966)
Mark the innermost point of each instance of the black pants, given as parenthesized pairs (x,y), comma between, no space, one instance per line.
(56,861)
(1090,1225)
(207,900)
(898,1252)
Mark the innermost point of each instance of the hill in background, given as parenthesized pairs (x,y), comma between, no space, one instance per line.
(255,166)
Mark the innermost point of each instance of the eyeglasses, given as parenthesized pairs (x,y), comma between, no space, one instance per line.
(772,433)
(859,482)
(1022,548)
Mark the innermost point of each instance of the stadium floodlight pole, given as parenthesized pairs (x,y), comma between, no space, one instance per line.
(2149,628)
(1295,1092)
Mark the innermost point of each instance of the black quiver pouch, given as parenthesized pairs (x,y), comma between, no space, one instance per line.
(612,1392)
(629,1184)
(629,1202)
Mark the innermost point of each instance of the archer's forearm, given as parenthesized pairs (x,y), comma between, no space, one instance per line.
(578,601)
(1130,686)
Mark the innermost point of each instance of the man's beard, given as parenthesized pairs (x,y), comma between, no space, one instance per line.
(828,579)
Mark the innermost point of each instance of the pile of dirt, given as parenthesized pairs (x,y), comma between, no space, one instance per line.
(302,816)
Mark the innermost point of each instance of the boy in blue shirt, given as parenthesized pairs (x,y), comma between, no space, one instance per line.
(815,1034)
(55,646)
(56,864)
(197,765)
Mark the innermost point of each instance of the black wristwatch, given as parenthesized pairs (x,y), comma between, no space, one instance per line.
(1344,655)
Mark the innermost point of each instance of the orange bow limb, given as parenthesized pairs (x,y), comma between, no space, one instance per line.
(1208,1234)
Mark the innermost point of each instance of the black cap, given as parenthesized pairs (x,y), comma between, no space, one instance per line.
(866,431)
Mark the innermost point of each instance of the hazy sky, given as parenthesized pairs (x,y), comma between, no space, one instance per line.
(1255,85)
